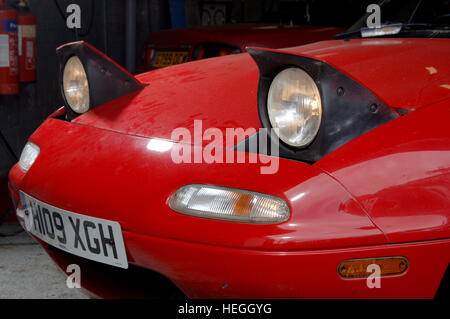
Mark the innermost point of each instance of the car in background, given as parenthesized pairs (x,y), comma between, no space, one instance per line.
(280,24)
(169,47)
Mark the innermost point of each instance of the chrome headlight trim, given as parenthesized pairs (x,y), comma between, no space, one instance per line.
(294,107)
(76,85)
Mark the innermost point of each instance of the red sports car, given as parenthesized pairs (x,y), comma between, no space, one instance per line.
(169,47)
(312,172)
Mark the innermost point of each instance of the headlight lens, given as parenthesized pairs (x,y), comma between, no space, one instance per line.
(76,87)
(229,204)
(29,154)
(294,107)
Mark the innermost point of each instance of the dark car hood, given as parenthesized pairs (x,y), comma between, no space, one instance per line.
(222,92)
(242,35)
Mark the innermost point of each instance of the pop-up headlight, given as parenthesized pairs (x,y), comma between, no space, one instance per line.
(76,86)
(294,107)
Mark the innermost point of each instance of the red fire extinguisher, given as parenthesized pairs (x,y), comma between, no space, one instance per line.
(27,43)
(8,50)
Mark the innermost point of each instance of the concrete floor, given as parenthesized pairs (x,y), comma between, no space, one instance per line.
(27,272)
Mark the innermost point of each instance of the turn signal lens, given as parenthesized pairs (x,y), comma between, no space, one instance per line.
(29,154)
(360,268)
(229,204)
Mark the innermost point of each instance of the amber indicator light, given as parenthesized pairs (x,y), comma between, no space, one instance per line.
(359,268)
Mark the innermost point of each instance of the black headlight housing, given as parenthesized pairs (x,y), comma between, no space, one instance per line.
(107,80)
(348,109)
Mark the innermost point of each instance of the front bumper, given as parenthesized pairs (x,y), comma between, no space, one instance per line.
(207,271)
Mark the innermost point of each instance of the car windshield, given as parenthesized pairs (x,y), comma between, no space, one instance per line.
(419,18)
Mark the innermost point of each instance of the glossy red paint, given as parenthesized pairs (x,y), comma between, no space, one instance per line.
(241,36)
(404,73)
(400,173)
(219,272)
(215,90)
(383,194)
(326,215)
(205,271)
(210,271)
(177,96)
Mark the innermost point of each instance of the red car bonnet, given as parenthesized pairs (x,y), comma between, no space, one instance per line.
(222,92)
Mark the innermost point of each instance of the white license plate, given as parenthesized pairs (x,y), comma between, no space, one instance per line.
(92,238)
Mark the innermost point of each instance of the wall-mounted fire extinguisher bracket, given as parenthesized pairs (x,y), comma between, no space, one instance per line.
(26,42)
(9,68)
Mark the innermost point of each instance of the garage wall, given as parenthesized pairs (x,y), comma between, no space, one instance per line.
(103,26)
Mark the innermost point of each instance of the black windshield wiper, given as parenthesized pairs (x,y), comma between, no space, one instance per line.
(382,30)
(391,29)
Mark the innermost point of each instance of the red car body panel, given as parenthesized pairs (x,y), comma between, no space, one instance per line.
(175,97)
(400,173)
(178,95)
(418,67)
(121,158)
(218,272)
(206,271)
(383,194)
